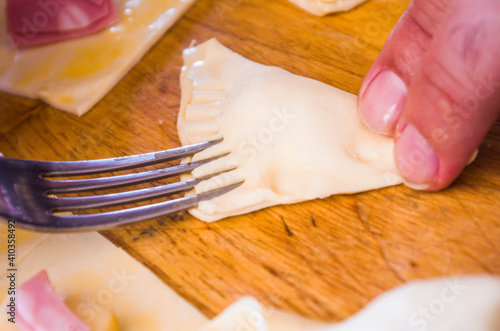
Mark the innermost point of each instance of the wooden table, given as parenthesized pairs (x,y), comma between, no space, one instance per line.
(324,259)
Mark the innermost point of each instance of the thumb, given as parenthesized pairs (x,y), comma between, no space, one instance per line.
(454,97)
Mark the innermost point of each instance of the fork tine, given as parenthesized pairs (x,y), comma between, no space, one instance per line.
(122,217)
(78,203)
(83,185)
(75,168)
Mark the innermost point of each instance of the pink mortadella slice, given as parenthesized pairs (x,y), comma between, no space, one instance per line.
(37,22)
(39,308)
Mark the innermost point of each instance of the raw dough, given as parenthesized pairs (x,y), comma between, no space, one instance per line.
(75,74)
(290,138)
(323,7)
(94,277)
(447,304)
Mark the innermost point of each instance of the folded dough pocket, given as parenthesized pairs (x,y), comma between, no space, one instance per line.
(323,7)
(288,137)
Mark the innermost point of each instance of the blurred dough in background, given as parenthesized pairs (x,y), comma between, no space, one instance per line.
(98,281)
(324,7)
(73,75)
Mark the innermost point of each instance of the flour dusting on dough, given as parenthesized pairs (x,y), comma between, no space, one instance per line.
(290,138)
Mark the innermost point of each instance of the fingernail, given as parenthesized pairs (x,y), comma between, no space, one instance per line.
(416,159)
(381,104)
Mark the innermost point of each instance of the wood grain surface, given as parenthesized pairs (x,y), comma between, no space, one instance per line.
(324,259)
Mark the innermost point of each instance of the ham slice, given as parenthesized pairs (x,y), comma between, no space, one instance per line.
(39,308)
(37,22)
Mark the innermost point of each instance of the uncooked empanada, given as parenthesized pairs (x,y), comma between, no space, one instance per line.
(323,7)
(288,137)
(440,304)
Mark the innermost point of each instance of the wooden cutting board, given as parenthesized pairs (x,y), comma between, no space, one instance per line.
(324,259)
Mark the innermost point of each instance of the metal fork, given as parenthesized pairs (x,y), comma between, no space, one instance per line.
(26,192)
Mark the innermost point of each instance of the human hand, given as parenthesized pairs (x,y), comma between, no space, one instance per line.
(435,87)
